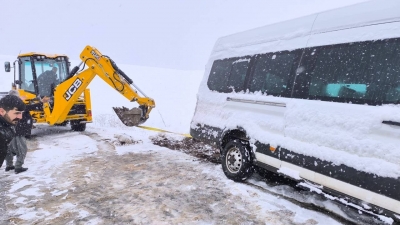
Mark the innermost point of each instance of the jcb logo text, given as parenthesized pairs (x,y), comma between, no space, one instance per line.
(95,54)
(72,89)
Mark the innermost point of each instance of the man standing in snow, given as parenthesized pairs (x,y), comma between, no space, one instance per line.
(11,108)
(18,145)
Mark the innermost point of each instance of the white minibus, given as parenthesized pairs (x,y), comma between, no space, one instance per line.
(315,99)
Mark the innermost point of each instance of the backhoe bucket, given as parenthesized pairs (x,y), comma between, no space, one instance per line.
(129,117)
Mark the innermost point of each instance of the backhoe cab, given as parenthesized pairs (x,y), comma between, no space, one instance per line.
(37,75)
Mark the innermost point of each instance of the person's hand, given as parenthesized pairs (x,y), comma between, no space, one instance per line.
(45,99)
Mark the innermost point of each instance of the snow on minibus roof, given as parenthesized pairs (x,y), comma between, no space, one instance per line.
(362,14)
(294,32)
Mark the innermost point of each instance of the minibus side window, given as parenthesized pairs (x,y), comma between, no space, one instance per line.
(271,73)
(384,72)
(339,72)
(365,72)
(219,75)
(238,75)
(228,75)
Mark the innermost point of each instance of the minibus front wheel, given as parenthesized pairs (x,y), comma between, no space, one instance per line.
(236,160)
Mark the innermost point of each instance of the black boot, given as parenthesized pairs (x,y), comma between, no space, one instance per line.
(20,170)
(9,168)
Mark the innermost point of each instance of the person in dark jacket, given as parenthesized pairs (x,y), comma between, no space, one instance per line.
(11,108)
(23,128)
(46,80)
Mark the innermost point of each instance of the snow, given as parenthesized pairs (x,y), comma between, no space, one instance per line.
(361,209)
(321,126)
(336,132)
(175,94)
(289,172)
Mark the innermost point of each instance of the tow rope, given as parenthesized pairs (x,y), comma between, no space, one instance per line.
(161,130)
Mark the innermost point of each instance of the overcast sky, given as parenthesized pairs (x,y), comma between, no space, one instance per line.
(157,33)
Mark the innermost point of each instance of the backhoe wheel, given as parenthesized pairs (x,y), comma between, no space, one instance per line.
(77,126)
(236,160)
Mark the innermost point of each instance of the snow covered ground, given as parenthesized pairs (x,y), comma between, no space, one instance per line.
(87,178)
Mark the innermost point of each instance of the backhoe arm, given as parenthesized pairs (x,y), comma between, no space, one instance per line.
(68,92)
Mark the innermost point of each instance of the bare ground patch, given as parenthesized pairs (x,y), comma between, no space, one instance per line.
(189,146)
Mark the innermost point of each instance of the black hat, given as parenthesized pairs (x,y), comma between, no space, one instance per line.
(10,102)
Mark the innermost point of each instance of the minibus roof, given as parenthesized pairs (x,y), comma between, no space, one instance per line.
(358,15)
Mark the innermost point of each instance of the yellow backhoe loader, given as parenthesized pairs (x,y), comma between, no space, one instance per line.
(37,75)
